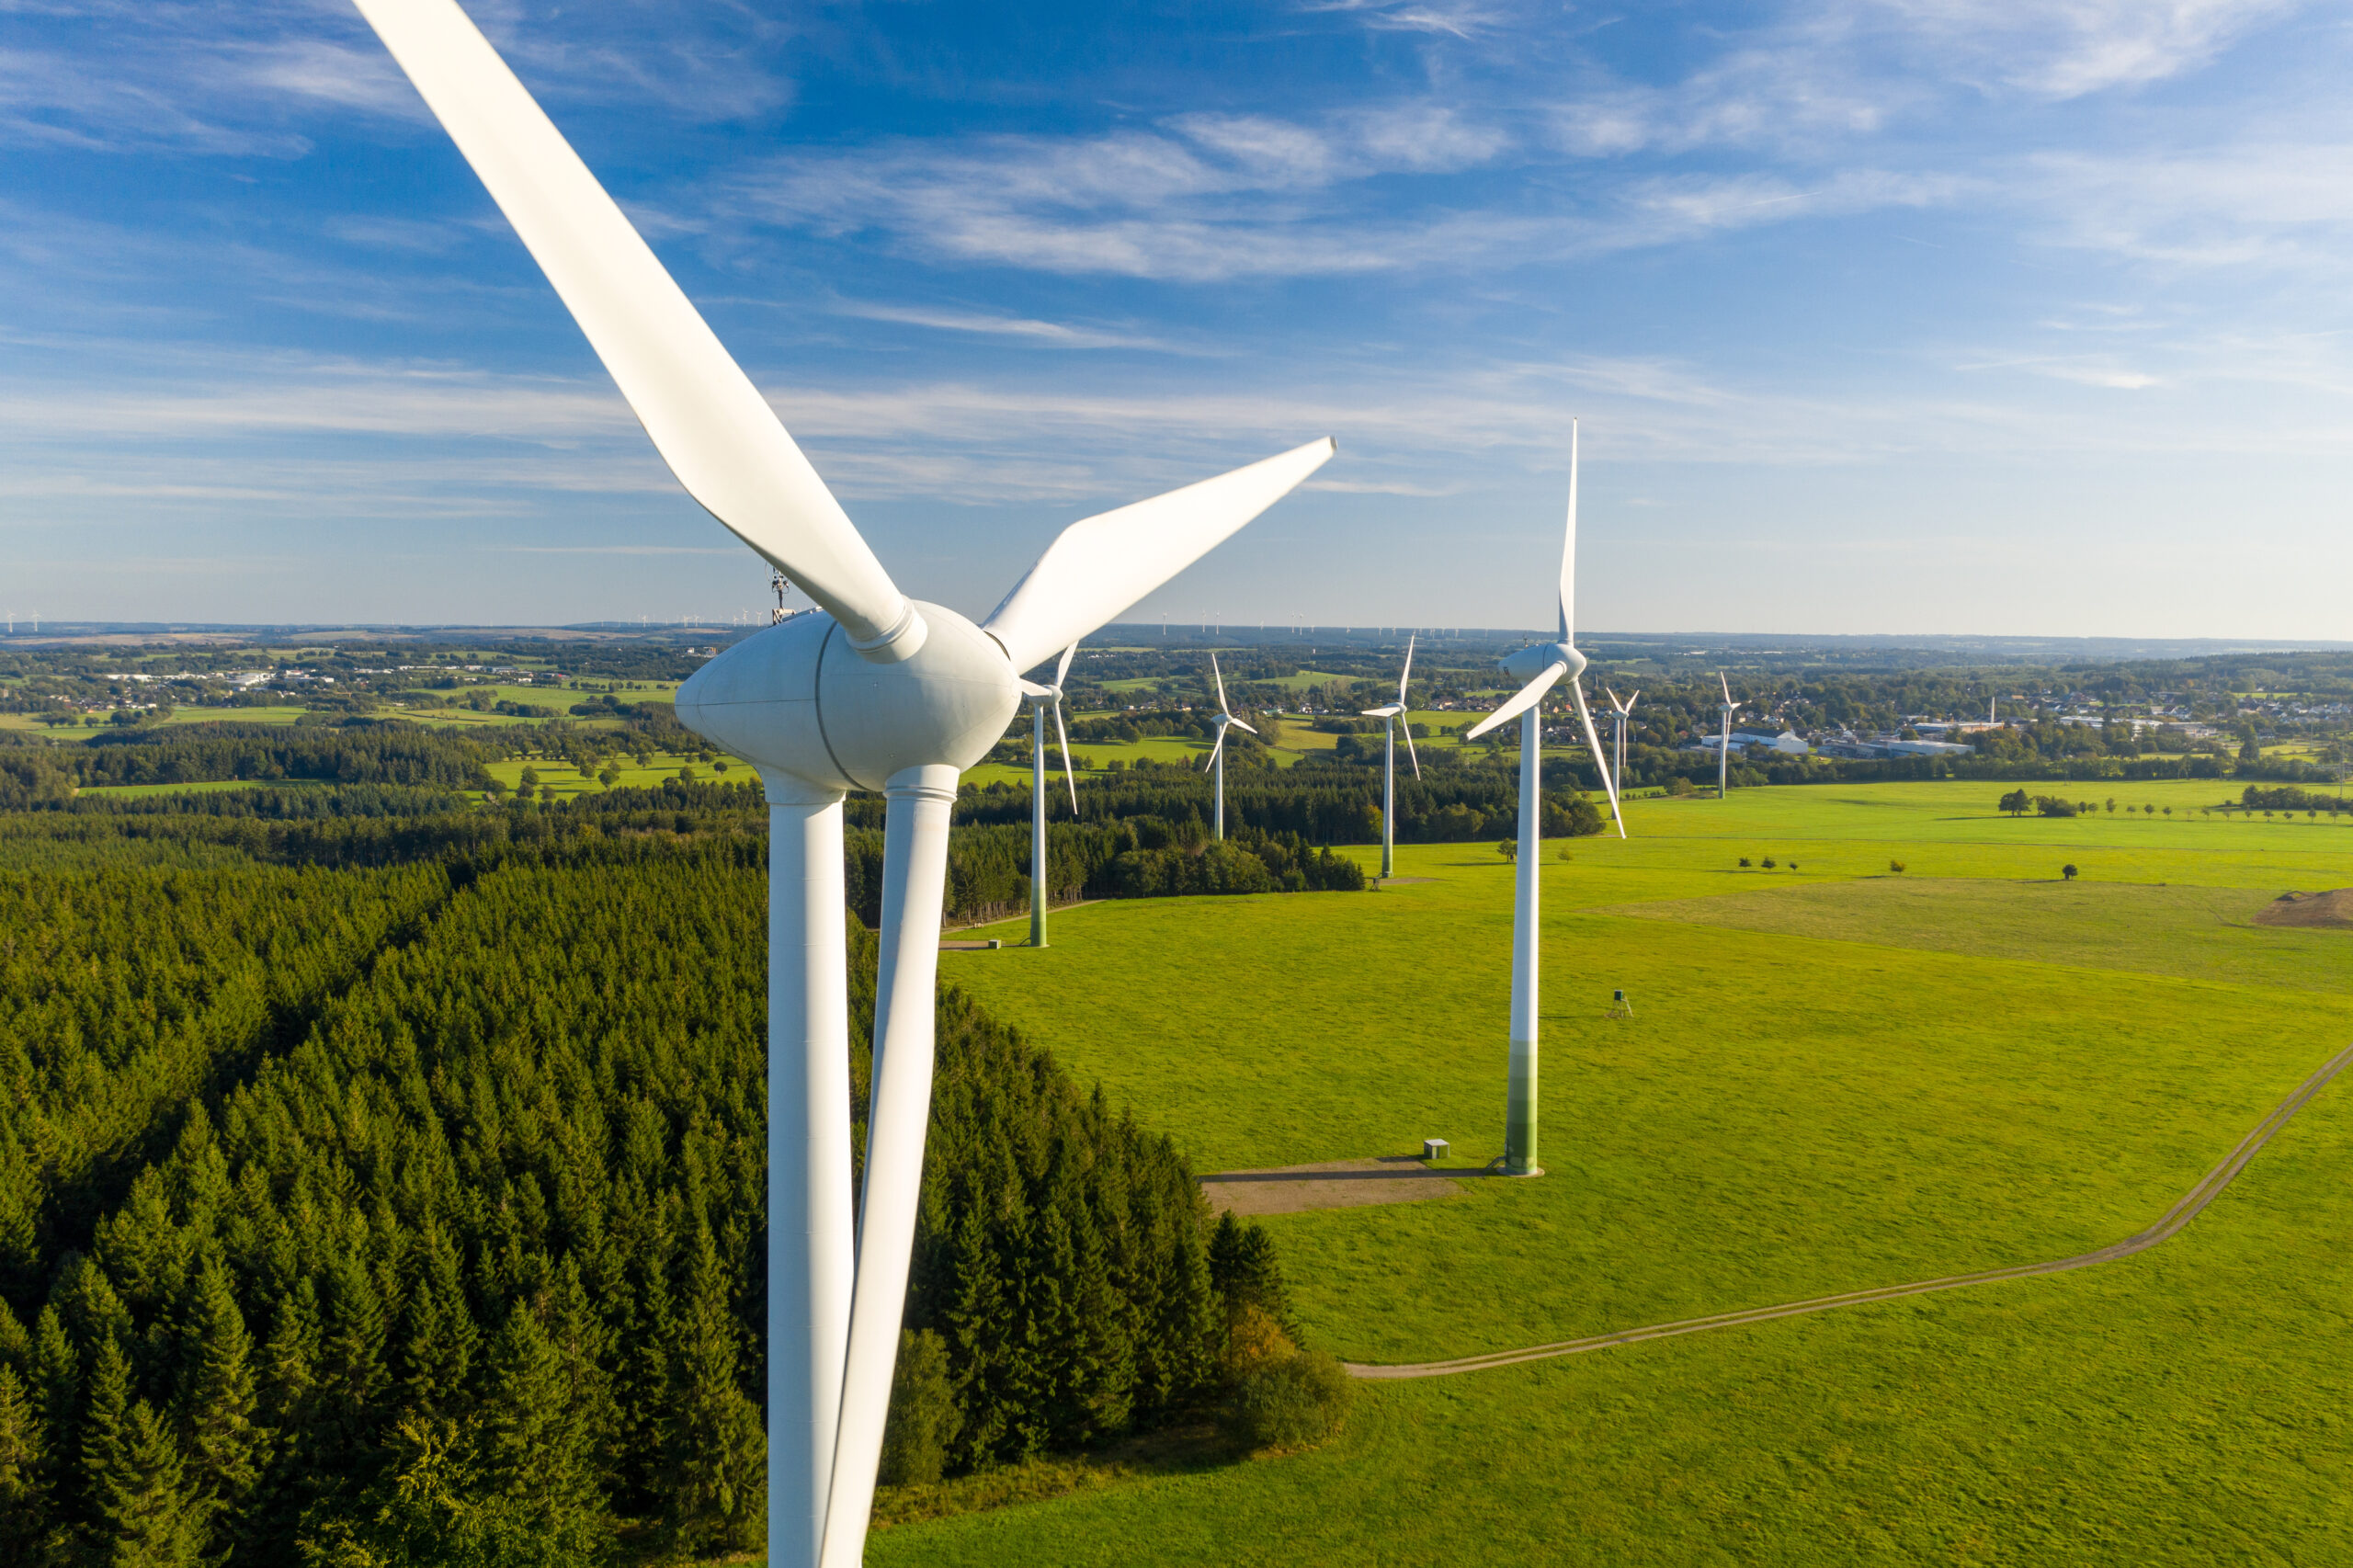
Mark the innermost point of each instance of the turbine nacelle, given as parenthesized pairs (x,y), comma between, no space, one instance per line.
(799,700)
(1527,663)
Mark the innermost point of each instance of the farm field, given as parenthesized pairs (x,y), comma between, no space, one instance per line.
(1836,1077)
(567,780)
(209,786)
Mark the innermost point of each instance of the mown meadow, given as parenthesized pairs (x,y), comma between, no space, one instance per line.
(1838,1075)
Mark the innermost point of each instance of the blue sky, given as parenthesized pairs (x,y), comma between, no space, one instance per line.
(1881,315)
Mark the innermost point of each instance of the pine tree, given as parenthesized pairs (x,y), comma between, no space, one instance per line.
(227,1448)
(536,1447)
(351,1362)
(57,1390)
(439,1339)
(972,1319)
(718,1450)
(290,1401)
(15,1343)
(1243,1266)
(141,1514)
(582,1347)
(24,1494)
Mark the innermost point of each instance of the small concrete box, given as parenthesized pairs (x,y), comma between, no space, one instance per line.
(1434,1148)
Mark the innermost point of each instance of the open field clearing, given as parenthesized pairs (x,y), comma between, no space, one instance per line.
(567,780)
(1836,1079)
(133,792)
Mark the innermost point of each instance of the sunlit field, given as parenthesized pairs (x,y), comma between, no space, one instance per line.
(1838,1075)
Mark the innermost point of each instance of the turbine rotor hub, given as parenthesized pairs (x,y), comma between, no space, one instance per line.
(798,700)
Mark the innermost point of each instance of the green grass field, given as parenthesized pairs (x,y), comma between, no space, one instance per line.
(567,780)
(208,788)
(1836,1077)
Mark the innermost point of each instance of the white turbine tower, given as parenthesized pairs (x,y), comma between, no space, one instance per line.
(1392,712)
(1216,764)
(1723,741)
(879,692)
(1625,712)
(1040,697)
(1539,666)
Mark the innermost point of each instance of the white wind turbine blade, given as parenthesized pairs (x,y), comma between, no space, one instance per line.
(1219,677)
(1383,711)
(1406,674)
(1406,728)
(1061,665)
(1630,703)
(1102,564)
(1031,689)
(1240,725)
(1569,548)
(1069,773)
(1600,761)
(1526,697)
(914,889)
(710,425)
(1727,686)
(1210,761)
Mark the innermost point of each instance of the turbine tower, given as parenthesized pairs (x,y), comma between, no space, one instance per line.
(1040,697)
(876,692)
(1539,666)
(1723,745)
(1217,753)
(1624,711)
(1391,713)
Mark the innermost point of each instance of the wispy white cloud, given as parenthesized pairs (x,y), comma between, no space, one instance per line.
(2065,49)
(1204,199)
(1456,18)
(2264,203)
(1022,329)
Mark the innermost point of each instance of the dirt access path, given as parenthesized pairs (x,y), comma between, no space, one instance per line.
(2169,1225)
(1335,1183)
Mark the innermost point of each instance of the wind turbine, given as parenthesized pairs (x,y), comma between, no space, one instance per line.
(1217,753)
(879,692)
(1539,666)
(1040,697)
(1625,711)
(1392,712)
(1723,745)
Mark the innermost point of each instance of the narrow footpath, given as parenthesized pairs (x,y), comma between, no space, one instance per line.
(2173,1222)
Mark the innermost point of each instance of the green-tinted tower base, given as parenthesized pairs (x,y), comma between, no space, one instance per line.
(1519,1113)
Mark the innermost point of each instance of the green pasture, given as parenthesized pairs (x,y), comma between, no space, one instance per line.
(208,788)
(1836,1077)
(1164,749)
(567,780)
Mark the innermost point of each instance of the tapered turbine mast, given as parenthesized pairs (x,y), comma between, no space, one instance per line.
(1724,743)
(1040,699)
(1392,714)
(1539,667)
(1216,762)
(878,692)
(1624,711)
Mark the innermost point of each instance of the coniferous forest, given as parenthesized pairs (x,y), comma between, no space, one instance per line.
(373,1194)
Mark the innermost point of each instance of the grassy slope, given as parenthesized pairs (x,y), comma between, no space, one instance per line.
(1794,1110)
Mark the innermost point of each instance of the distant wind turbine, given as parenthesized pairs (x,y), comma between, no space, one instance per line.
(1624,711)
(1539,666)
(1723,746)
(1040,699)
(1392,712)
(1217,753)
